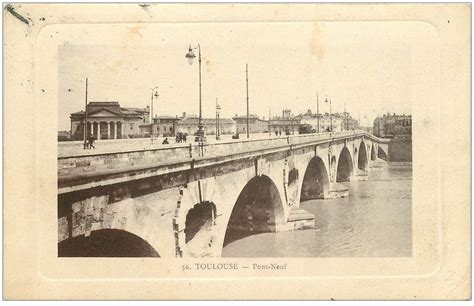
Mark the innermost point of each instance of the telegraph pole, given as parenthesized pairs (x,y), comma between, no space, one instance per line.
(85,121)
(269,118)
(217,121)
(345,118)
(317,108)
(330,111)
(151,114)
(247,81)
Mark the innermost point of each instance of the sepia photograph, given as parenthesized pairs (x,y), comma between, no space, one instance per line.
(214,143)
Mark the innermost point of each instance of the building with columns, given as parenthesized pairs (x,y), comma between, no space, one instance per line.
(107,120)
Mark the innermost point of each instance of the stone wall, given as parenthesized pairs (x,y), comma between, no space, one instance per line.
(400,150)
(96,163)
(147,153)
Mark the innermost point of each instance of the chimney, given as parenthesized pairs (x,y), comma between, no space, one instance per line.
(184,114)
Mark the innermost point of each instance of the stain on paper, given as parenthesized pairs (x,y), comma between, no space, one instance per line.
(315,44)
(136,30)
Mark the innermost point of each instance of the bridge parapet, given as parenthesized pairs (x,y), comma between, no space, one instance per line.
(90,163)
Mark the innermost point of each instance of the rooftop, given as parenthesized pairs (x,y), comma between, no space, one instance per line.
(112,106)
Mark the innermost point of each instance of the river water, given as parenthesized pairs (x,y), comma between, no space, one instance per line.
(375,220)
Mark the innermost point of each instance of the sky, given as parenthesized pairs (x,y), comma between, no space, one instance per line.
(366,67)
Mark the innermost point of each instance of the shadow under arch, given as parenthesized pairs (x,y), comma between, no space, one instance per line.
(201,216)
(315,180)
(344,166)
(258,209)
(362,157)
(106,243)
(381,154)
(373,156)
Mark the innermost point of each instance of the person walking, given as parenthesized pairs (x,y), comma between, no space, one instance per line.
(91,141)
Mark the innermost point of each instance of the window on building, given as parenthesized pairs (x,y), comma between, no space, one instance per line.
(164,129)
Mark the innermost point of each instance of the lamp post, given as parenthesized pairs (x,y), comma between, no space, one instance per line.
(330,110)
(269,119)
(154,93)
(86,134)
(317,110)
(218,108)
(190,56)
(247,83)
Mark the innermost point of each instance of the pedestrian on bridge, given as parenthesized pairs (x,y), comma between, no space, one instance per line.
(90,144)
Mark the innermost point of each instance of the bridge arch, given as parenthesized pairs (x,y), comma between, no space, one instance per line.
(362,157)
(258,209)
(129,221)
(200,230)
(106,243)
(382,154)
(200,217)
(344,166)
(315,181)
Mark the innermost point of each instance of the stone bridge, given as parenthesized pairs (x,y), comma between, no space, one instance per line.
(190,200)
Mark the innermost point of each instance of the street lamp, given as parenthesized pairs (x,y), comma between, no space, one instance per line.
(154,93)
(190,56)
(218,108)
(86,133)
(330,110)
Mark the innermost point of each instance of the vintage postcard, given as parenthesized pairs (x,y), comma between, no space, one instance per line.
(220,151)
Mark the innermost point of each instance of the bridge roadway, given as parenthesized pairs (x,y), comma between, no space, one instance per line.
(75,148)
(190,199)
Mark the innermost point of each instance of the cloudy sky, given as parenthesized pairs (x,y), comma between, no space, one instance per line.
(368,66)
